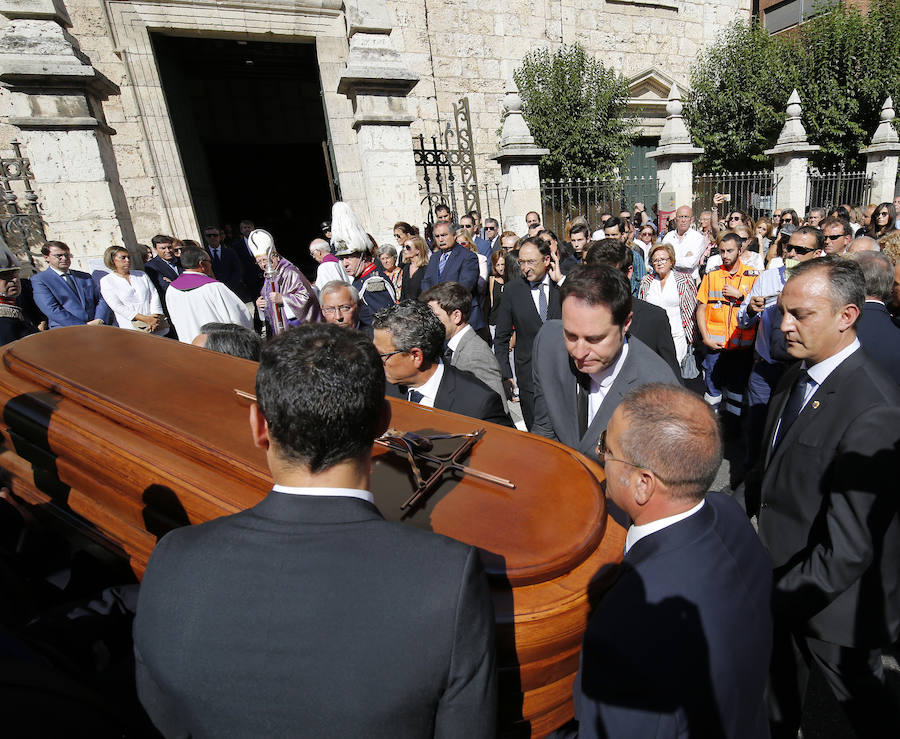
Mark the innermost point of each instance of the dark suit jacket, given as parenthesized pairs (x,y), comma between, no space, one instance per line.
(461,267)
(230,271)
(679,644)
(650,324)
(460,392)
(253,275)
(880,337)
(68,306)
(161,274)
(556,393)
(312,616)
(829,515)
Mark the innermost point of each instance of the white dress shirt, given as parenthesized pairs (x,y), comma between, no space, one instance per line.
(327,492)
(430,388)
(602,380)
(636,533)
(689,249)
(544,288)
(457,337)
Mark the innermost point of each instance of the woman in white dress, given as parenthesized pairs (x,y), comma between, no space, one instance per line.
(131,295)
(675,293)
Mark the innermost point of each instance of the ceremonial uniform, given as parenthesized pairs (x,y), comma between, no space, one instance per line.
(376,292)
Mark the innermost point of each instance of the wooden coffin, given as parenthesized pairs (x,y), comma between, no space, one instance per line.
(128,436)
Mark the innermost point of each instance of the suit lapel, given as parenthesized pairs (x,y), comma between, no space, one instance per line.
(554,307)
(621,385)
(443,399)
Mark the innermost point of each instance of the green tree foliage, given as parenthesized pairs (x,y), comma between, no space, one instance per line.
(843,64)
(575,107)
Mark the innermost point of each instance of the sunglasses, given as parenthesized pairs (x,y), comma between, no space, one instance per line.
(800,249)
(832,237)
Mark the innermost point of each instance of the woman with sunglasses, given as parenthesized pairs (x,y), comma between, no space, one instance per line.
(415,258)
(883,218)
(788,217)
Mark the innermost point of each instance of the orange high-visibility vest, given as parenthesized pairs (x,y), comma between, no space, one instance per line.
(721,311)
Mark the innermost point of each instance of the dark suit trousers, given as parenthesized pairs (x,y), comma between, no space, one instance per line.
(855,676)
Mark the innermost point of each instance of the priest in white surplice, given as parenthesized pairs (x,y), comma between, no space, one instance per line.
(195,298)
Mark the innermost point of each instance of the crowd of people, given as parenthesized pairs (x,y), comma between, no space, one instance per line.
(788,326)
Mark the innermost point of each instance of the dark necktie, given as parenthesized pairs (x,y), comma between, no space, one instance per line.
(441,264)
(583,391)
(542,302)
(793,407)
(448,354)
(216,259)
(415,396)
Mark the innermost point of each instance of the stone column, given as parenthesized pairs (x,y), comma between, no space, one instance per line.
(791,154)
(520,178)
(377,82)
(54,99)
(674,157)
(882,156)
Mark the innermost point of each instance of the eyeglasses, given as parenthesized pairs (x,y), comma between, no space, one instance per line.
(530,262)
(605,456)
(490,228)
(330,310)
(60,255)
(884,213)
(408,247)
(660,261)
(787,220)
(399,236)
(387,355)
(734,218)
(833,237)
(799,249)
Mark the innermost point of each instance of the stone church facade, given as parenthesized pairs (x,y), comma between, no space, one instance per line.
(81,87)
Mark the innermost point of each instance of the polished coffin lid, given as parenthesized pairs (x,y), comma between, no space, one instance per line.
(181,400)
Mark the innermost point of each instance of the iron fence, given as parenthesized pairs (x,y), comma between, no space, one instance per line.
(830,189)
(565,199)
(21,225)
(752,192)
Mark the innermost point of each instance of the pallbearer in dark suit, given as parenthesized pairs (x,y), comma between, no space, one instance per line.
(829,515)
(410,339)
(678,644)
(526,304)
(877,333)
(309,615)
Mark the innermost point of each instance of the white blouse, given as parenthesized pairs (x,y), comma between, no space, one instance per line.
(128,298)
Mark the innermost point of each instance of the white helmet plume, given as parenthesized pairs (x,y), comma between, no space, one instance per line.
(347,234)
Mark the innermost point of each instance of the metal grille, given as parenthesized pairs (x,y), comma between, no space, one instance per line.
(564,200)
(830,189)
(447,173)
(21,226)
(752,192)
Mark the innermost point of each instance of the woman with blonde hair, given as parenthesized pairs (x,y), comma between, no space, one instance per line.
(415,257)
(131,295)
(674,292)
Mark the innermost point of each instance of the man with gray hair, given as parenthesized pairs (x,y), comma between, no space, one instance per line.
(815,217)
(863,243)
(340,306)
(329,268)
(492,233)
(691,598)
(877,333)
(828,516)
(410,340)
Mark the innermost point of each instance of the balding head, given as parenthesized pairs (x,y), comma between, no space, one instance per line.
(683,217)
(319,248)
(863,243)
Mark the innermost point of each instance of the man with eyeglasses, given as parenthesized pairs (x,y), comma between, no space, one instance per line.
(467,223)
(410,339)
(688,243)
(375,289)
(838,235)
(690,600)
(68,297)
(340,306)
(760,309)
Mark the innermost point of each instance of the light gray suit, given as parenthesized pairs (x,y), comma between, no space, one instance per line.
(556,395)
(472,354)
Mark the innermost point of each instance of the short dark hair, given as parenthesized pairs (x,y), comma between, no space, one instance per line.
(580,228)
(45,249)
(832,221)
(731,236)
(599,285)
(229,338)
(411,324)
(442,206)
(817,233)
(846,281)
(538,243)
(450,296)
(162,239)
(321,390)
(610,251)
(211,228)
(192,257)
(613,222)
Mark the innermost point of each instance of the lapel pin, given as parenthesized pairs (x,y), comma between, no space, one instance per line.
(815,404)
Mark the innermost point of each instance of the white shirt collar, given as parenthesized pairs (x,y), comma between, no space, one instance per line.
(636,533)
(430,387)
(542,283)
(457,337)
(327,492)
(605,377)
(818,373)
(58,271)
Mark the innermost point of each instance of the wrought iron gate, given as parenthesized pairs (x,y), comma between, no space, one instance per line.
(21,226)
(447,173)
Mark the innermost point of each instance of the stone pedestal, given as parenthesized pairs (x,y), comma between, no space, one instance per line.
(675,158)
(882,157)
(377,82)
(53,98)
(791,156)
(520,178)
